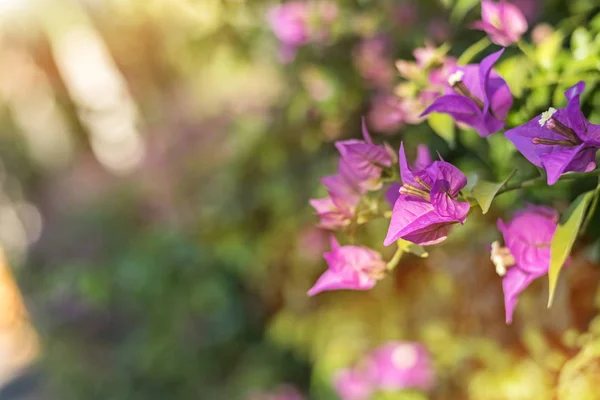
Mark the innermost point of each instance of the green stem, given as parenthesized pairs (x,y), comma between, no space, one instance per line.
(541,180)
(395,259)
(473,50)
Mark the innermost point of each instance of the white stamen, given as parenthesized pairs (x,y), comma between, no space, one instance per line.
(501,258)
(546,115)
(405,356)
(455,78)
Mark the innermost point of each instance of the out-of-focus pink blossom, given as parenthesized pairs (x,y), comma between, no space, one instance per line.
(401,365)
(311,243)
(352,384)
(406,15)
(297,23)
(541,32)
(372,59)
(438,30)
(289,22)
(364,159)
(503,22)
(338,208)
(387,113)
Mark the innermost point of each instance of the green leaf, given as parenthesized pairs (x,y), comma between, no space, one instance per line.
(474,50)
(443,125)
(581,43)
(484,192)
(461,8)
(547,51)
(515,71)
(410,247)
(564,237)
(446,3)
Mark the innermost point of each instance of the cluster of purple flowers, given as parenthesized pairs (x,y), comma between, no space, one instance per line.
(429,202)
(393,366)
(359,171)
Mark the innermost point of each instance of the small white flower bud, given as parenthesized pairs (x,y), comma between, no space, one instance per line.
(546,115)
(455,78)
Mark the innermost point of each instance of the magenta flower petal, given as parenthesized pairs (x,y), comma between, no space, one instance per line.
(362,161)
(497,93)
(350,267)
(445,206)
(579,158)
(450,176)
(413,217)
(459,107)
(401,365)
(392,193)
(339,281)
(527,238)
(514,282)
(423,157)
(341,191)
(430,234)
(503,22)
(406,171)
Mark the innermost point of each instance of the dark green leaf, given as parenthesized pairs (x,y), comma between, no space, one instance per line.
(564,238)
(443,125)
(484,192)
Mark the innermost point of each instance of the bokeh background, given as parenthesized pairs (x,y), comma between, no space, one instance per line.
(156,162)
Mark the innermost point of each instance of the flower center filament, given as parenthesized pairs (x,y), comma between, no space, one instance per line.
(411,190)
(548,121)
(552,142)
(423,183)
(456,83)
(502,258)
(556,126)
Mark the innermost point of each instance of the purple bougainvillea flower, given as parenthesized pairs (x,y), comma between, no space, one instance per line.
(350,267)
(559,140)
(359,170)
(427,206)
(338,208)
(527,241)
(400,365)
(364,159)
(352,384)
(422,161)
(476,96)
(503,22)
